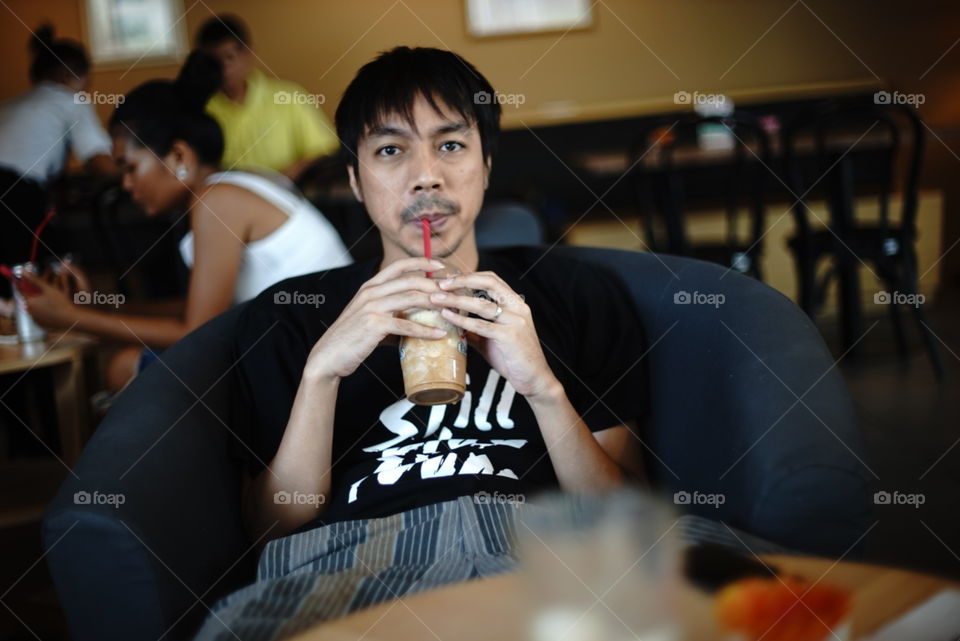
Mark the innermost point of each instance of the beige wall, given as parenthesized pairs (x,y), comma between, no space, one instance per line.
(635,57)
(632,61)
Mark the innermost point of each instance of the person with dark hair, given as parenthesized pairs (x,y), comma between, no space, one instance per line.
(267,122)
(248,231)
(361,494)
(37,130)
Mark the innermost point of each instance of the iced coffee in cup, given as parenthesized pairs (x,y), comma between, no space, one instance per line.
(434,370)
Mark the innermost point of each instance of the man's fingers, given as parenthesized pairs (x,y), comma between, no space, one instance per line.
(401,301)
(403,327)
(479,306)
(492,284)
(398,267)
(410,282)
(483,328)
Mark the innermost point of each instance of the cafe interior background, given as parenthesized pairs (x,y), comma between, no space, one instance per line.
(586,95)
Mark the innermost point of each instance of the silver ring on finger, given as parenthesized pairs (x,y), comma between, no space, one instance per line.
(496,314)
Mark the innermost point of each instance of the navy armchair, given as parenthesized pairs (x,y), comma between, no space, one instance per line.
(745,403)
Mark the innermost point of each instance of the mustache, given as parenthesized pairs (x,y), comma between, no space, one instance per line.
(429,203)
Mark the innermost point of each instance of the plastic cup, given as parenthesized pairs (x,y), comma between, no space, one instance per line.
(434,370)
(27,328)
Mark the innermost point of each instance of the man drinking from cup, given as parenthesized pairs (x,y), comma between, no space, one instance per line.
(554,377)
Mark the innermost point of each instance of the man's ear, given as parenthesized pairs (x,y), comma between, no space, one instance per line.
(488,165)
(354,182)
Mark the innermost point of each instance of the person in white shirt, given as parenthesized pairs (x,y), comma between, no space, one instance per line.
(38,130)
(247,231)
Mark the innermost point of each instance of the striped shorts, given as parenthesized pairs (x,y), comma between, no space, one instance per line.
(333,570)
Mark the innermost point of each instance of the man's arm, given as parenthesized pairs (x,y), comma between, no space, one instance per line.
(303,461)
(301,465)
(508,340)
(579,460)
(294,171)
(622,444)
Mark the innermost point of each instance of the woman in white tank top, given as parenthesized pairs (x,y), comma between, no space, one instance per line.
(306,242)
(248,231)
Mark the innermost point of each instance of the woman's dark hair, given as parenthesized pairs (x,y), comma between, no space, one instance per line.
(56,59)
(220,28)
(159,112)
(392,82)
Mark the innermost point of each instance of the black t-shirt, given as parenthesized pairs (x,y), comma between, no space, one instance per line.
(390,455)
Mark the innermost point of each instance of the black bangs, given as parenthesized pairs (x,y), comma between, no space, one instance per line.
(392,82)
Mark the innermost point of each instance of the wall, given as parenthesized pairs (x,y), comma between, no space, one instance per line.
(632,61)
(634,58)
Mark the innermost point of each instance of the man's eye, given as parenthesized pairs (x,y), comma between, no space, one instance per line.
(451,146)
(388,150)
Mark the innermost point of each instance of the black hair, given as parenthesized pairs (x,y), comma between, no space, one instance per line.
(220,28)
(56,59)
(392,82)
(159,112)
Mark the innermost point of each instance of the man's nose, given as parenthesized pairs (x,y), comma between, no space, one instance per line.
(426,171)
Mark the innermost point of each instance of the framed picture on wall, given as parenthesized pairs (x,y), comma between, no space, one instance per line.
(133,31)
(515,17)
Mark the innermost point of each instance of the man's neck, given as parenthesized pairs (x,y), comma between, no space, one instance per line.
(465,258)
(237,94)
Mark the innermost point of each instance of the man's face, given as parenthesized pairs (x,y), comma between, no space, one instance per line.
(434,169)
(236,60)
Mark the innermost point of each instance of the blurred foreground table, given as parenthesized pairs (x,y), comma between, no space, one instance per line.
(494,608)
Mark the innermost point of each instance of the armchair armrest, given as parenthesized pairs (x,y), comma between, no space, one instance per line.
(149,521)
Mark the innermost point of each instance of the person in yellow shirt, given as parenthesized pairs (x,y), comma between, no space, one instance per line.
(266,122)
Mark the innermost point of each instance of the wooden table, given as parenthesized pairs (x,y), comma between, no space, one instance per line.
(65,354)
(493,608)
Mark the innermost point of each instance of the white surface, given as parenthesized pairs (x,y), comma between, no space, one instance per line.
(937,619)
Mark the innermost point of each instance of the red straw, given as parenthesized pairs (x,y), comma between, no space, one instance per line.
(38,231)
(426,241)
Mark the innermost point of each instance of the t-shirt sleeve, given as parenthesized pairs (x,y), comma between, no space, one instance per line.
(87,136)
(270,355)
(610,346)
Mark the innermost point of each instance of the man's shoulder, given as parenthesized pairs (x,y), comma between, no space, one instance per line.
(316,295)
(541,263)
